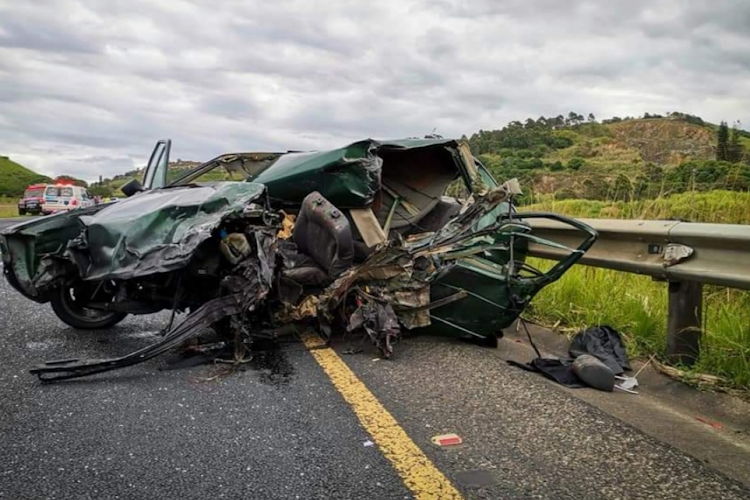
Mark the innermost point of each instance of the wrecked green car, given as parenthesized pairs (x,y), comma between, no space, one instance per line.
(378,237)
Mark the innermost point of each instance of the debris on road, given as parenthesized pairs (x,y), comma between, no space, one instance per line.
(559,370)
(605,343)
(375,239)
(447,440)
(593,372)
(715,425)
(597,358)
(626,383)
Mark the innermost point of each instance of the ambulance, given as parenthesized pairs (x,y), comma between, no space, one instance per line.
(66,196)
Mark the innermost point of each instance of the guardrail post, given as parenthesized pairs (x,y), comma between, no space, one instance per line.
(684,321)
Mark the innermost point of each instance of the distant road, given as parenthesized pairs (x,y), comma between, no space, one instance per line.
(14,220)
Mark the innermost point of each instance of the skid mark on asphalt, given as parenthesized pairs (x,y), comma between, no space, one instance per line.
(419,474)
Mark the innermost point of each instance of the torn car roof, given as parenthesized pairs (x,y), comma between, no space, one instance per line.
(348,176)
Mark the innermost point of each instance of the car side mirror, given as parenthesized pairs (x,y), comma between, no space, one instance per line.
(131,187)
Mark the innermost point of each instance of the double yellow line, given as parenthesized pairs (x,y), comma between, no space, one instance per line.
(419,474)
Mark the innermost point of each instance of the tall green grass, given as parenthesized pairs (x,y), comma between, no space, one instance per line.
(636,305)
(718,206)
(8,207)
(7,211)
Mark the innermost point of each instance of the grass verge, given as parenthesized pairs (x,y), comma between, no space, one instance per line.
(636,305)
(718,206)
(8,211)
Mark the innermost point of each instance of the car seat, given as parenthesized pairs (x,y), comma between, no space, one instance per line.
(324,242)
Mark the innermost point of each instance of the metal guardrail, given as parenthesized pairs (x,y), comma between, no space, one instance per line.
(687,255)
(719,254)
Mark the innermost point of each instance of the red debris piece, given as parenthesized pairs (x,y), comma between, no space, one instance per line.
(715,425)
(447,440)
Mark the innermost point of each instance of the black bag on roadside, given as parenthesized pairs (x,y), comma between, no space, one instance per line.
(603,342)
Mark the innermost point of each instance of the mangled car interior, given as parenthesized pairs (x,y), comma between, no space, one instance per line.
(379,239)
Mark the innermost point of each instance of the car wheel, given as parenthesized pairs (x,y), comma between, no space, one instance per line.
(21,212)
(73,313)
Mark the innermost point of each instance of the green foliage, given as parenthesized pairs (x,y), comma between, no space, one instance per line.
(102,191)
(592,130)
(7,211)
(642,159)
(708,175)
(722,141)
(576,163)
(14,178)
(688,118)
(735,150)
(583,296)
(718,206)
(8,207)
(528,135)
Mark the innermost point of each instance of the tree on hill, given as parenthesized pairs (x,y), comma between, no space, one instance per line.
(533,138)
(722,142)
(734,150)
(695,120)
(573,119)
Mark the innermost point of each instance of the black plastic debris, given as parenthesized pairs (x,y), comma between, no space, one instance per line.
(380,323)
(597,355)
(559,370)
(603,342)
(594,372)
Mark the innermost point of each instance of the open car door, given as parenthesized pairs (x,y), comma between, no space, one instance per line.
(155,176)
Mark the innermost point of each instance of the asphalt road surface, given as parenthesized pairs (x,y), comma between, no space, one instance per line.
(282,430)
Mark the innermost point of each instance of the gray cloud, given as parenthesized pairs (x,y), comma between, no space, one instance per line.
(86,87)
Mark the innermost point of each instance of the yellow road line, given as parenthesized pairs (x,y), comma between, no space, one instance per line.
(419,474)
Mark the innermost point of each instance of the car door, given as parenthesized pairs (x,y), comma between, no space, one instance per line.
(497,281)
(155,176)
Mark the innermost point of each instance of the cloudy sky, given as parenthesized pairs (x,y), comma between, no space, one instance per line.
(86,86)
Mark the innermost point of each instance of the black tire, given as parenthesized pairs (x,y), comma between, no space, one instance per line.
(21,212)
(64,304)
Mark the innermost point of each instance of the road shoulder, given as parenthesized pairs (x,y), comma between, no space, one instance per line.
(712,427)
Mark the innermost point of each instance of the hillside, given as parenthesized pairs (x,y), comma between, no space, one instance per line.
(562,158)
(14,178)
(111,186)
(571,157)
(616,159)
(665,141)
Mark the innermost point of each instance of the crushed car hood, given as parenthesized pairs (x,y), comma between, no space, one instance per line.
(157,231)
(151,232)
